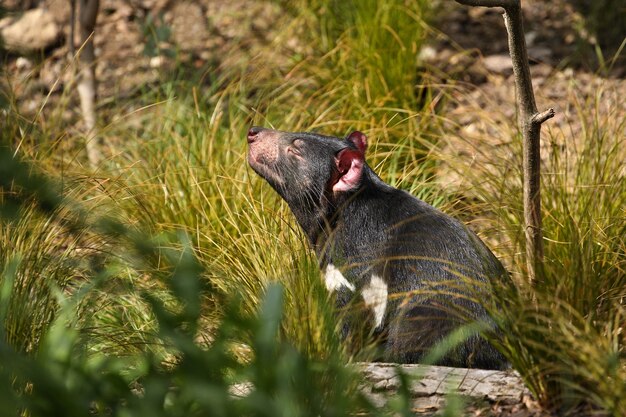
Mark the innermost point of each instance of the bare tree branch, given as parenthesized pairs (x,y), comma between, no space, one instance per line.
(531,121)
(87,15)
(70,40)
(543,116)
(488,3)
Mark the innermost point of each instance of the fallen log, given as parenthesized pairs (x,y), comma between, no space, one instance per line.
(483,392)
(430,386)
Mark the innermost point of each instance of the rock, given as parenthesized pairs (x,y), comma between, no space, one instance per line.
(157,61)
(437,382)
(51,75)
(23,63)
(500,64)
(484,392)
(31,31)
(427,54)
(151,4)
(531,37)
(540,54)
(189,26)
(430,387)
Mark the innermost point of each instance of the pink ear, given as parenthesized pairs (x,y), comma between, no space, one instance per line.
(350,166)
(359,140)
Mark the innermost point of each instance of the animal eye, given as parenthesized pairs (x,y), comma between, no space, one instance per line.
(294,151)
(294,148)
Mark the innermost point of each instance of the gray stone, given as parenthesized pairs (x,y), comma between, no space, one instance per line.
(540,53)
(429,385)
(427,54)
(22,63)
(31,31)
(500,64)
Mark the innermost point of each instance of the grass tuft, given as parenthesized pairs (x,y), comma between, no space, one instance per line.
(186,243)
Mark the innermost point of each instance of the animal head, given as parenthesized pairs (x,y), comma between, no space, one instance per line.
(311,172)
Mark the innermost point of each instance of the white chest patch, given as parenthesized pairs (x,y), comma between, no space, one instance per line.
(334,279)
(375,296)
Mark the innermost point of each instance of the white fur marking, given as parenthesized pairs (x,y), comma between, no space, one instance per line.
(334,279)
(375,296)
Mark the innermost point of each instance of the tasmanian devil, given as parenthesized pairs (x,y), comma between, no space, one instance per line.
(416,270)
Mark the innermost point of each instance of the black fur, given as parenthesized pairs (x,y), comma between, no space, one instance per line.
(431,263)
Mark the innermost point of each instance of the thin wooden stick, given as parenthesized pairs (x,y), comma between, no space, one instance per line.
(530,120)
(87,16)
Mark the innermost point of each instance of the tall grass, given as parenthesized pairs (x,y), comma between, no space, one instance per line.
(185,168)
(375,46)
(180,170)
(564,333)
(66,378)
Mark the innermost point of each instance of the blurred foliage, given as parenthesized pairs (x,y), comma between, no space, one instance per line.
(64,378)
(157,36)
(605,20)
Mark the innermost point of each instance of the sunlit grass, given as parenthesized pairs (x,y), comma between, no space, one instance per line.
(564,333)
(177,166)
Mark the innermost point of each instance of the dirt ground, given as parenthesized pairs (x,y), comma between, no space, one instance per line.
(469,45)
(472,48)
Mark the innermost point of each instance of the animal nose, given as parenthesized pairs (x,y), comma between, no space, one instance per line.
(253,133)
